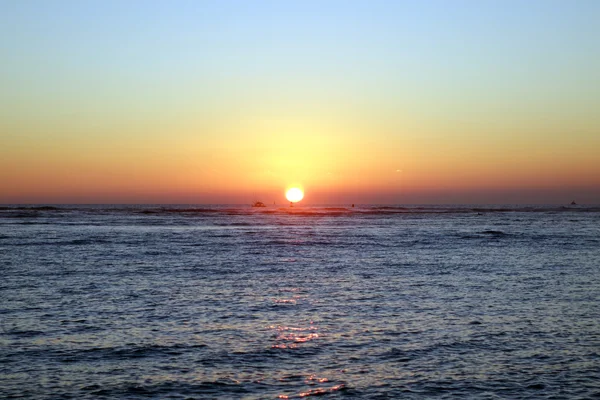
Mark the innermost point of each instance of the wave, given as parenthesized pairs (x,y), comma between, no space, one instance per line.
(74,242)
(29,212)
(34,208)
(181,210)
(492,232)
(230,387)
(124,353)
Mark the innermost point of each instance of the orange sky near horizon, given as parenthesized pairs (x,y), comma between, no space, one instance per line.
(334,162)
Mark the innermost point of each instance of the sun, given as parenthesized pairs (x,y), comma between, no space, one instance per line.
(294,194)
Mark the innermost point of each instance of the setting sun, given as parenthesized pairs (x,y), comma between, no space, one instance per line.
(294,195)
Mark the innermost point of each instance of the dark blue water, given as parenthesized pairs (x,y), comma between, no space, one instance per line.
(233,302)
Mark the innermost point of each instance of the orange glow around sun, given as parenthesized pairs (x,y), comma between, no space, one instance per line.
(294,194)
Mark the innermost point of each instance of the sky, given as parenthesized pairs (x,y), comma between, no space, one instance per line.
(387,102)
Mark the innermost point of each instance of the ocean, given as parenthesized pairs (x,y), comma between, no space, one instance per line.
(235,302)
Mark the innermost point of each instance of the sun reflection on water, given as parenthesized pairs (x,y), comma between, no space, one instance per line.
(285,301)
(313,379)
(321,391)
(294,337)
(288,337)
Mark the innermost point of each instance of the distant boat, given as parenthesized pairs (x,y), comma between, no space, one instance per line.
(573,203)
(258,204)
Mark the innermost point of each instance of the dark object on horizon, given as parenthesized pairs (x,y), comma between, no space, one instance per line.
(258,204)
(291,204)
(573,203)
(352,205)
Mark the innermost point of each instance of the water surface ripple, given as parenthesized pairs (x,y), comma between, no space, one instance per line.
(232,302)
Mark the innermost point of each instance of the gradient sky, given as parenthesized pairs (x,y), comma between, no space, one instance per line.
(355,101)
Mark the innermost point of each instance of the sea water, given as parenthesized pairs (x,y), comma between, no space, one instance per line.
(370,302)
